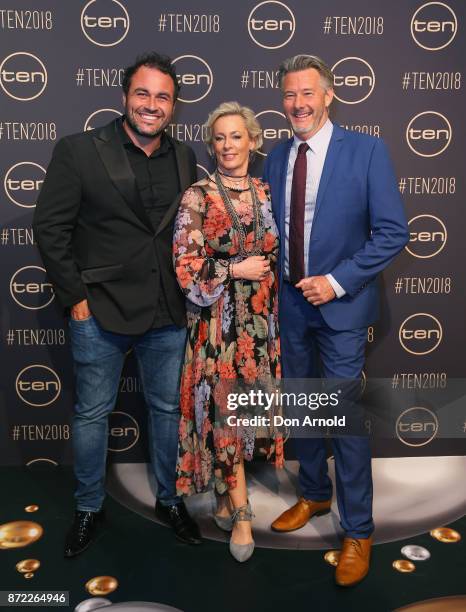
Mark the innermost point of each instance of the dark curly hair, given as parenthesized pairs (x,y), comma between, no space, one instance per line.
(151,59)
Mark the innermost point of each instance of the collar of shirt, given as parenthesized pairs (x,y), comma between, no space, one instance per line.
(165,144)
(319,142)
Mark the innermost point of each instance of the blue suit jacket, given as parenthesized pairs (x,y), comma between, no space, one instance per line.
(359,223)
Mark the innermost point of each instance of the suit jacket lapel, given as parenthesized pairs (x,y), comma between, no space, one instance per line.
(185,178)
(115,160)
(283,165)
(282,186)
(329,164)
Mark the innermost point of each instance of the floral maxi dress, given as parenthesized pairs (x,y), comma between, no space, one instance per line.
(232,330)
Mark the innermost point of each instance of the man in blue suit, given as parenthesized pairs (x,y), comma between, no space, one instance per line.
(341,222)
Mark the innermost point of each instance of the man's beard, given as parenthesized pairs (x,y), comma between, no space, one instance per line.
(303,129)
(300,130)
(147,133)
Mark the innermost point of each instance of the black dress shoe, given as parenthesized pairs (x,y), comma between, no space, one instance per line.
(82,532)
(176,515)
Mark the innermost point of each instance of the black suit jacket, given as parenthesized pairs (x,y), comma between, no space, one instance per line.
(95,238)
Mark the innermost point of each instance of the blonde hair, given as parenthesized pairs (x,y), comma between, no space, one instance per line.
(233,108)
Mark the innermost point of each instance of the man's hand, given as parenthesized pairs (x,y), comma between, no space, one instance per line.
(316,289)
(80,311)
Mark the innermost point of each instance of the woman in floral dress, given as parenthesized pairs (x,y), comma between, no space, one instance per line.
(225,254)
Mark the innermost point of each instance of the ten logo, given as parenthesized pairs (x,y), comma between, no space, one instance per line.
(354,80)
(23,182)
(428,134)
(434,26)
(427,236)
(105,22)
(100,117)
(30,288)
(416,423)
(123,431)
(271,24)
(195,77)
(271,133)
(420,333)
(23,76)
(38,385)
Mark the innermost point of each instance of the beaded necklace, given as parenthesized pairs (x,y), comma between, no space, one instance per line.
(258,221)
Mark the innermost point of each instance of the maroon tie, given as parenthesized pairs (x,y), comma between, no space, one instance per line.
(297,206)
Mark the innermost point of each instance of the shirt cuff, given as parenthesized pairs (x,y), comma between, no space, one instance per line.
(339,291)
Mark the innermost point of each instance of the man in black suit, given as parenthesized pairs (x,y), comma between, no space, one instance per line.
(104,225)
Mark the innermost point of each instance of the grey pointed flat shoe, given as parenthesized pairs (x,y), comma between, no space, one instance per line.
(223,522)
(242,552)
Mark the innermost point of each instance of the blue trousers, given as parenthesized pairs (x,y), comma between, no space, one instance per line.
(311,349)
(98,357)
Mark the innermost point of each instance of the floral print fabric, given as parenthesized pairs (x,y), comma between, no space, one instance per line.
(232,333)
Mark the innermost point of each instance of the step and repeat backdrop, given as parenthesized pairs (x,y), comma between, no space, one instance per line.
(399,75)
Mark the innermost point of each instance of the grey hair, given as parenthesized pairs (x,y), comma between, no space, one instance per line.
(233,108)
(304,62)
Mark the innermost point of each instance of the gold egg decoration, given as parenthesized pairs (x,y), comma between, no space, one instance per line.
(31,508)
(404,566)
(332,556)
(18,534)
(28,565)
(446,535)
(101,585)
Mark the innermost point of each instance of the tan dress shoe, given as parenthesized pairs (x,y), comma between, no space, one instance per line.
(299,514)
(353,564)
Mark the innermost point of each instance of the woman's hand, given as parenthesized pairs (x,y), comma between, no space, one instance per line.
(254,268)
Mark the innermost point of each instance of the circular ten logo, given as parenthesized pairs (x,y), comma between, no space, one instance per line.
(274,128)
(354,80)
(416,426)
(195,77)
(22,183)
(23,76)
(428,134)
(434,26)
(30,288)
(104,22)
(271,24)
(38,385)
(123,431)
(427,236)
(420,333)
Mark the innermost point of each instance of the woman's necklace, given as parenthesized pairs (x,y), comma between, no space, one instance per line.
(233,178)
(258,221)
(236,189)
(236,180)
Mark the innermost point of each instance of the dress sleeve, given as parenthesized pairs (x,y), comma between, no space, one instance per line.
(271,242)
(201,278)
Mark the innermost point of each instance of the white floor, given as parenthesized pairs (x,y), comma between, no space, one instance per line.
(412,495)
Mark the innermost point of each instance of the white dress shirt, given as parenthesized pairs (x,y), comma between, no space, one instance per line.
(315,157)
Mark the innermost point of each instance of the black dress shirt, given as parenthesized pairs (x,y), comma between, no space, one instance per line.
(158,185)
